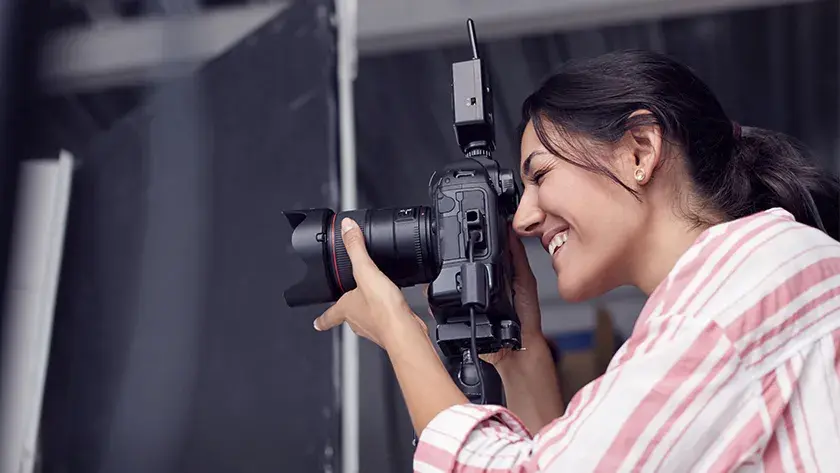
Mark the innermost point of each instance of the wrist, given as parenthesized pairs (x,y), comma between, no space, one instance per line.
(404,331)
(533,337)
(535,352)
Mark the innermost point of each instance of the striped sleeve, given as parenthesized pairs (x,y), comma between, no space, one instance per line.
(489,438)
(668,397)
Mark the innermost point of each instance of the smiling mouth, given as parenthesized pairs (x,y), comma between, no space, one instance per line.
(557,242)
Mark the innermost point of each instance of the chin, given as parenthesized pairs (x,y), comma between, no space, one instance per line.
(578,289)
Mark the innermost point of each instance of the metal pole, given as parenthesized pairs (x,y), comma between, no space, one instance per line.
(347,58)
(38,243)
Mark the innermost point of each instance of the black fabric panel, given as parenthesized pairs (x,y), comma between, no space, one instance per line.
(173,349)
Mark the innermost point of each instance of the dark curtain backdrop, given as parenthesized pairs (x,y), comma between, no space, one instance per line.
(773,67)
(173,349)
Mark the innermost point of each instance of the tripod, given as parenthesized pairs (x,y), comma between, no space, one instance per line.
(480,386)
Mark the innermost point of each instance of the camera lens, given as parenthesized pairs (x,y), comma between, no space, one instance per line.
(401,242)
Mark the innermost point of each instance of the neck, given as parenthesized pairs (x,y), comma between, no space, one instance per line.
(666,239)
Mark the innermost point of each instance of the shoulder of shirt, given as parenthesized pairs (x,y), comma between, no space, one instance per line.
(731,272)
(774,229)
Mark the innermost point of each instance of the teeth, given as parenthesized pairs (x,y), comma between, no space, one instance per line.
(557,241)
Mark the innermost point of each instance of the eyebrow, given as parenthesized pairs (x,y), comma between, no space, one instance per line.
(526,166)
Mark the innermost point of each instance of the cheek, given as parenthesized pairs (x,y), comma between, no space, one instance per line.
(586,201)
(594,264)
(604,220)
(606,226)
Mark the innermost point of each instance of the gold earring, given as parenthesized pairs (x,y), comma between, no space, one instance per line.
(640,175)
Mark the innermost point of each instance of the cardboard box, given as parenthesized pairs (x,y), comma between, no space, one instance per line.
(582,357)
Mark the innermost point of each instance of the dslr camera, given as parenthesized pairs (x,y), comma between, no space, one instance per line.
(459,244)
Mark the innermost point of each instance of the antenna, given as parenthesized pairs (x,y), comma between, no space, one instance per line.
(472,103)
(473,40)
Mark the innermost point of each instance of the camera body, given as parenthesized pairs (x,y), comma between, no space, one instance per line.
(474,194)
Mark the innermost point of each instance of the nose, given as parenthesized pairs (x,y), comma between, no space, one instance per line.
(528,217)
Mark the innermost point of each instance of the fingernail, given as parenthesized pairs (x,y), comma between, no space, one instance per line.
(347,224)
(315,324)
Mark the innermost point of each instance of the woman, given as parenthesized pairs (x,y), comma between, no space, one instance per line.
(634,175)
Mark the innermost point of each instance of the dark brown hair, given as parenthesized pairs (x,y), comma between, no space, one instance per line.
(735,171)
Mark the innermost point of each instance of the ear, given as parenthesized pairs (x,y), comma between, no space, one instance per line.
(641,150)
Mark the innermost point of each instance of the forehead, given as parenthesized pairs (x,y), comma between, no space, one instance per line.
(529,139)
(530,149)
(530,142)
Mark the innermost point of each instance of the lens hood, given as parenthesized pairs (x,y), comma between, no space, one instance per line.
(311,230)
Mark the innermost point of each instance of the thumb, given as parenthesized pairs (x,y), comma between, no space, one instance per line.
(521,266)
(354,243)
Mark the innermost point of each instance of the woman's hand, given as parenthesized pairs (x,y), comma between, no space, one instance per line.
(526,299)
(376,309)
(529,375)
(526,302)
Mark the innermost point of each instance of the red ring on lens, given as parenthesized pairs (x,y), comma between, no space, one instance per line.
(335,261)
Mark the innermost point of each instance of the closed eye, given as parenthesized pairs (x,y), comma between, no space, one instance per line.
(536,177)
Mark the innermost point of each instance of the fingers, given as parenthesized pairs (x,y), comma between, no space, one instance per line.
(336,315)
(329,319)
(425,289)
(521,267)
(354,242)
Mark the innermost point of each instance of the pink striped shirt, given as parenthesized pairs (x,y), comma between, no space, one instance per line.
(734,364)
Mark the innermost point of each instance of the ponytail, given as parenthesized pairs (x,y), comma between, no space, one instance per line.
(767,169)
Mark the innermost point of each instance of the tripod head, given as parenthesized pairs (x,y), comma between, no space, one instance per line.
(470,376)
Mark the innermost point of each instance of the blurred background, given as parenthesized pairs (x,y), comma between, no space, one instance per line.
(184,127)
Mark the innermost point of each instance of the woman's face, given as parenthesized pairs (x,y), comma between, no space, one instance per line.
(586,222)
